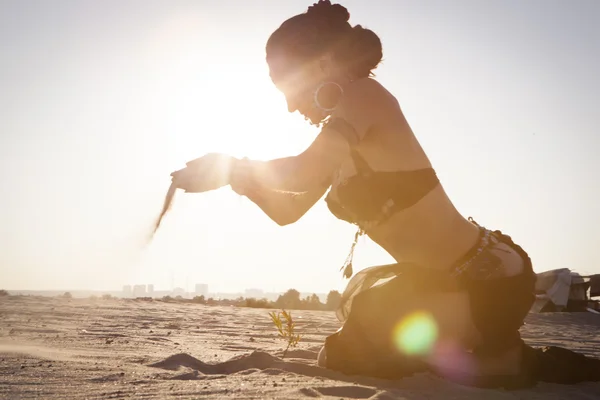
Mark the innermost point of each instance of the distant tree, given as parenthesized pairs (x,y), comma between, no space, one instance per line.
(3,293)
(290,299)
(257,303)
(314,302)
(334,298)
(211,301)
(199,299)
(67,295)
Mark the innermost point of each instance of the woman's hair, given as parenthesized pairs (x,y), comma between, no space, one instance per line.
(322,29)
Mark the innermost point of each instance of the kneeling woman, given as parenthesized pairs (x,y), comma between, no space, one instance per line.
(475,286)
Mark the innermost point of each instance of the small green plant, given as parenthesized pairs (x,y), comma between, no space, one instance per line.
(285,326)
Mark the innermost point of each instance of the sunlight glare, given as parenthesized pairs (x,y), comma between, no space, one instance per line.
(218,98)
(416,333)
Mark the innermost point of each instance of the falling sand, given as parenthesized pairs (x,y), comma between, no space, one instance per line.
(166,207)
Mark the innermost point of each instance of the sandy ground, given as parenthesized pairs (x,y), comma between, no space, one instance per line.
(55,348)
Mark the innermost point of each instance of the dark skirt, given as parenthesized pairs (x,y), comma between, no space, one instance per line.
(498,304)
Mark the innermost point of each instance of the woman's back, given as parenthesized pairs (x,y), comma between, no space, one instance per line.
(430,232)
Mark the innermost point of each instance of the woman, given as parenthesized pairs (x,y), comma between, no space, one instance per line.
(380,179)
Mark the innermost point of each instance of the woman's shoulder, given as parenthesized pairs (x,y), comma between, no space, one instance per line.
(366,102)
(367,87)
(366,94)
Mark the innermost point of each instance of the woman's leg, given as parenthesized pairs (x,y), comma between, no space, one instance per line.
(439,329)
(399,325)
(462,334)
(500,285)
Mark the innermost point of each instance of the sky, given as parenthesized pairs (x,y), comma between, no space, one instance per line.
(101,101)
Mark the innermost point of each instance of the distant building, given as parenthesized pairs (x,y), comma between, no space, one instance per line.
(150,290)
(254,293)
(201,289)
(139,291)
(127,291)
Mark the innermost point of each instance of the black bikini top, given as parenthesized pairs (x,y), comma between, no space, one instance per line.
(369,198)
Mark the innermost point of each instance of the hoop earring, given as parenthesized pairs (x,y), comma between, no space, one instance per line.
(316,96)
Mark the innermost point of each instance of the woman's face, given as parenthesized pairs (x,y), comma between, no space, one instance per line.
(298,82)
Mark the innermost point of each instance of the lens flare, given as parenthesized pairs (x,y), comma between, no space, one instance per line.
(416,334)
(450,360)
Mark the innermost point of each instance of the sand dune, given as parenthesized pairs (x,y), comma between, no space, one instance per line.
(55,348)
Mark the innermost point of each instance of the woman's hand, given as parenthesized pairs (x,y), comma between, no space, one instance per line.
(209,172)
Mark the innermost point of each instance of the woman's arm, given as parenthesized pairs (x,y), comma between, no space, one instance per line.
(354,117)
(283,208)
(308,170)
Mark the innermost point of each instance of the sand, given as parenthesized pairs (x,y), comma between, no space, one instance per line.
(57,348)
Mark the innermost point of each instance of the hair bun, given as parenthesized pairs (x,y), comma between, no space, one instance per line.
(324,28)
(363,53)
(333,12)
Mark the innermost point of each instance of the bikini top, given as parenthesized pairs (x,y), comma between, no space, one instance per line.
(370,197)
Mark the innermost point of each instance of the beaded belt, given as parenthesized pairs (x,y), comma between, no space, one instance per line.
(486,239)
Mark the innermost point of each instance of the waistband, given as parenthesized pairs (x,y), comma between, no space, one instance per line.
(486,239)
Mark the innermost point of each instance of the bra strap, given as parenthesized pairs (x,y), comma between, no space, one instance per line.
(352,138)
(360,163)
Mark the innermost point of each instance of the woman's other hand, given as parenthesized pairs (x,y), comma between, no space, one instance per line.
(209,172)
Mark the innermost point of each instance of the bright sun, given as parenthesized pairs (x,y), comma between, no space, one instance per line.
(221,98)
(216,96)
